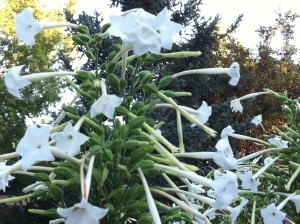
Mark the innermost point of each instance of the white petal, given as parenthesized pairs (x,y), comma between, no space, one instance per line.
(14,81)
(69,140)
(236,105)
(27,27)
(234,73)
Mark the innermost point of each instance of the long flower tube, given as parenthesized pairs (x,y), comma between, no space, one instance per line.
(264,168)
(150,201)
(256,154)
(188,174)
(196,155)
(233,71)
(183,205)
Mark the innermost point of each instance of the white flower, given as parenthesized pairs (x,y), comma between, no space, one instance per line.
(27,27)
(34,146)
(203,113)
(223,157)
(257,119)
(296,200)
(5,176)
(234,73)
(225,187)
(82,213)
(268,160)
(272,215)
(278,142)
(236,105)
(227,131)
(69,140)
(106,104)
(166,28)
(143,31)
(14,82)
(247,182)
(235,212)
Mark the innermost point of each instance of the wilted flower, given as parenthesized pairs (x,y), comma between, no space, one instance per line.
(14,82)
(236,103)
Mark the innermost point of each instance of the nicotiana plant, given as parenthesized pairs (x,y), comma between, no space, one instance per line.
(115,157)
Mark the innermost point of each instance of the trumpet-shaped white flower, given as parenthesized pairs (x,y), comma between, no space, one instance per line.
(279,142)
(234,73)
(14,82)
(223,157)
(27,27)
(202,114)
(296,200)
(227,131)
(82,213)
(257,120)
(272,215)
(34,146)
(106,104)
(166,28)
(69,140)
(235,212)
(5,176)
(236,105)
(225,189)
(248,183)
(143,31)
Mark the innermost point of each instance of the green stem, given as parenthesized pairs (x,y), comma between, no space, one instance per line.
(293,177)
(179,131)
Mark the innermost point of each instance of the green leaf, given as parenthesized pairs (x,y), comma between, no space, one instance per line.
(41,177)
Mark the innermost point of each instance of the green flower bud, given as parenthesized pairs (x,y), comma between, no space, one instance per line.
(105,27)
(83,29)
(77,40)
(82,75)
(166,80)
(113,80)
(84,37)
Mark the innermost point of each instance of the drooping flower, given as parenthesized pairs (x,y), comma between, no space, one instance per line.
(14,82)
(202,114)
(225,188)
(236,103)
(5,176)
(69,140)
(27,27)
(248,183)
(82,213)
(106,104)
(223,157)
(272,215)
(257,120)
(34,146)
(234,73)
(279,142)
(227,131)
